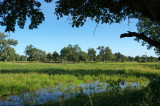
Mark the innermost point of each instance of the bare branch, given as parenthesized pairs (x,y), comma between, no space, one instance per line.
(143,37)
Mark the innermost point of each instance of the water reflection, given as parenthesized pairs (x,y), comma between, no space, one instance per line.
(56,93)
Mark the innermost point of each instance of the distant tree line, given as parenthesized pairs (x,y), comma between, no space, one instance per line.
(71,53)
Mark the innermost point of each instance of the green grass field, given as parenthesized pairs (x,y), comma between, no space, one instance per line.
(17,78)
(20,77)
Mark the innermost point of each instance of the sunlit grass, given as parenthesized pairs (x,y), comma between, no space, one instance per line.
(19,77)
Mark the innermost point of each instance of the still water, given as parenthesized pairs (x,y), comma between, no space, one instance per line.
(56,93)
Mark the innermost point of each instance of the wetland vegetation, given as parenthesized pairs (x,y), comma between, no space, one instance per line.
(99,79)
(17,78)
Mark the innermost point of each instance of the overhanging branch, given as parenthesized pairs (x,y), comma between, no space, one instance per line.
(143,37)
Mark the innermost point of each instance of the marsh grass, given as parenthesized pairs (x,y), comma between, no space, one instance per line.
(19,77)
(142,96)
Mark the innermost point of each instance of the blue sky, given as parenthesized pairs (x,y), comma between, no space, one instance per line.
(53,35)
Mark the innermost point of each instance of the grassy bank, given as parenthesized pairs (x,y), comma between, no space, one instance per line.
(16,78)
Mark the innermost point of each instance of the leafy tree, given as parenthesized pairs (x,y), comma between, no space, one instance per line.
(108,54)
(118,57)
(125,58)
(130,58)
(105,53)
(106,11)
(49,56)
(64,53)
(144,58)
(75,52)
(152,31)
(152,59)
(92,54)
(111,11)
(6,50)
(101,53)
(23,58)
(138,59)
(99,58)
(70,53)
(35,54)
(83,56)
(8,53)
(17,57)
(28,49)
(55,56)
(14,12)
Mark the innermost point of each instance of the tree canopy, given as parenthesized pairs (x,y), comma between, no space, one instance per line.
(35,54)
(107,11)
(92,54)
(115,11)
(55,56)
(14,12)
(152,31)
(105,53)
(70,54)
(6,49)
